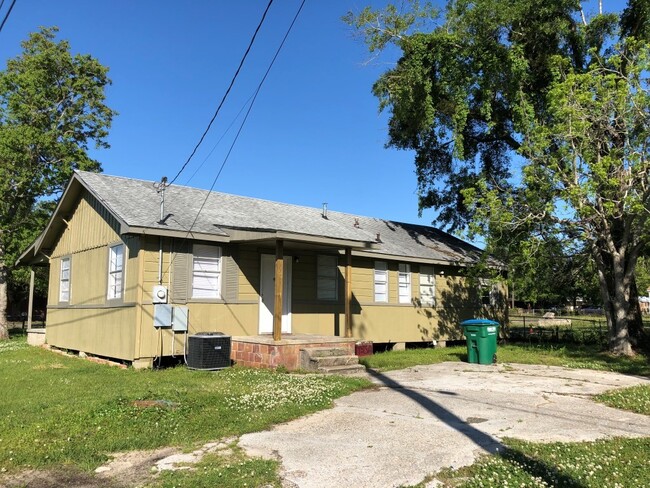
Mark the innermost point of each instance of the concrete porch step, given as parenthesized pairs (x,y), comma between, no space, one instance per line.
(325,361)
(330,360)
(348,370)
(322,352)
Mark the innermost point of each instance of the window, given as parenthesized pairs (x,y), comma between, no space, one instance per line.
(404,281)
(206,271)
(64,280)
(381,281)
(115,271)
(326,278)
(488,292)
(427,286)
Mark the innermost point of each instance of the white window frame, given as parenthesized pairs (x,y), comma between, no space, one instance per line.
(488,292)
(116,265)
(404,283)
(206,272)
(427,286)
(64,280)
(327,277)
(381,280)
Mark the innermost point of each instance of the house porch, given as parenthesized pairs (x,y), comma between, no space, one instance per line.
(261,351)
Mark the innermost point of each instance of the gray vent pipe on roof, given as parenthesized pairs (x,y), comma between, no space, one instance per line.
(324,210)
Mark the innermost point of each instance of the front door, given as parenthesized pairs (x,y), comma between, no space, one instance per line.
(267,294)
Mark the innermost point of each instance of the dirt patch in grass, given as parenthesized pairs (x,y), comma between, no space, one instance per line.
(56,479)
(126,469)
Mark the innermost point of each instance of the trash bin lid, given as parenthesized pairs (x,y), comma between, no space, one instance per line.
(478,322)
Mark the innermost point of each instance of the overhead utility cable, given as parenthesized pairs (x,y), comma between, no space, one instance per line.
(232,82)
(8,12)
(241,126)
(205,160)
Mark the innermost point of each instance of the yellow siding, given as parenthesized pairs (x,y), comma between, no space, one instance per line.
(239,319)
(231,319)
(105,332)
(89,226)
(88,322)
(396,322)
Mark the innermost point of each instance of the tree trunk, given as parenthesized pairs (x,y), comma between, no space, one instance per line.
(4,274)
(634,318)
(615,293)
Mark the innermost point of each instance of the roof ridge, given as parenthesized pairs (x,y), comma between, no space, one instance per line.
(266,200)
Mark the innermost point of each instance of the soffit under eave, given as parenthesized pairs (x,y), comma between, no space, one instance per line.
(178,234)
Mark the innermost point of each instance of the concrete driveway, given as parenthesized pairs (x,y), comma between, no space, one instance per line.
(425,418)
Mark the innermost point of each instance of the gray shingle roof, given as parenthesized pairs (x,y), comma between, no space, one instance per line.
(137,203)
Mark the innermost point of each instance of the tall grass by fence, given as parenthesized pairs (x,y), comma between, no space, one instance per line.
(541,327)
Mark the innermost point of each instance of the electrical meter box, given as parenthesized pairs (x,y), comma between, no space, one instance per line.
(159,294)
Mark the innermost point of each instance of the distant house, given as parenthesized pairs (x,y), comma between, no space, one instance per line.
(122,272)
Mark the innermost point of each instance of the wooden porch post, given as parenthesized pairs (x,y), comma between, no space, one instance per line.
(279,271)
(348,292)
(30,306)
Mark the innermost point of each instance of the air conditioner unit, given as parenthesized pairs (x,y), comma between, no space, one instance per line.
(208,351)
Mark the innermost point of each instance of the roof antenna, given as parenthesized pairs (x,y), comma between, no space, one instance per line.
(324,210)
(160,189)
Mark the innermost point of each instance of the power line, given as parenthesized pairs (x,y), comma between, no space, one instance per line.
(232,82)
(205,160)
(241,126)
(8,12)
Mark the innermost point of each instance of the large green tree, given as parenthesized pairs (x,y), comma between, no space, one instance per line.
(51,109)
(529,121)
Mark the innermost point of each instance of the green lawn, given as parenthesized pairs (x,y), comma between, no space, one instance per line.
(66,414)
(58,411)
(615,463)
(570,356)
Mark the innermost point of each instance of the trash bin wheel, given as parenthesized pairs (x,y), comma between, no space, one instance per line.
(494,358)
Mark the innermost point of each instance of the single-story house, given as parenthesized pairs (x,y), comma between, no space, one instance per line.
(136,267)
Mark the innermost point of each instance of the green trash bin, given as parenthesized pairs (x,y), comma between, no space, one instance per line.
(481,337)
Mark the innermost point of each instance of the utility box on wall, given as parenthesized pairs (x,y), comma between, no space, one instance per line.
(180,317)
(162,315)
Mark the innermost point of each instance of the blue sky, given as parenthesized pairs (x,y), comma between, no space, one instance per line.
(314,135)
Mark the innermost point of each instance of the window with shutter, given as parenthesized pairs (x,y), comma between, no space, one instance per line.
(231,276)
(327,277)
(180,273)
(206,271)
(381,281)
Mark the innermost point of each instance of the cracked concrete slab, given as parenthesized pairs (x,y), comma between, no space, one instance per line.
(426,418)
